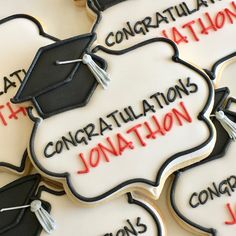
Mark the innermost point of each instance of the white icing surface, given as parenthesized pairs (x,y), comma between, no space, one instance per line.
(203,52)
(214,213)
(100,220)
(172,225)
(20,41)
(150,77)
(60,18)
(227,78)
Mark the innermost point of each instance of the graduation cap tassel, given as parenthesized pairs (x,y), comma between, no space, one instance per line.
(44,218)
(228,125)
(101,75)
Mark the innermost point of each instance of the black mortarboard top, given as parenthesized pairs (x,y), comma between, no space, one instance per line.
(102,5)
(22,221)
(55,88)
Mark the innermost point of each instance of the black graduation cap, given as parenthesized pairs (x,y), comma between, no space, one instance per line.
(57,80)
(223,140)
(22,221)
(102,5)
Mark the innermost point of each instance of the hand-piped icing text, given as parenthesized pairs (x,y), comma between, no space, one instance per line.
(9,111)
(190,31)
(135,229)
(225,187)
(116,119)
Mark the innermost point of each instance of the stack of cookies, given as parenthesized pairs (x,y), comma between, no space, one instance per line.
(126,130)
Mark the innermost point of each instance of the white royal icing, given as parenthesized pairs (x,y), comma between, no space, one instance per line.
(204,47)
(113,218)
(226,78)
(135,76)
(209,210)
(20,41)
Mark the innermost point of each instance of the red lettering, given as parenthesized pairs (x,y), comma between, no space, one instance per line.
(220,20)
(2,116)
(189,26)
(165,34)
(168,121)
(14,113)
(152,134)
(110,149)
(232,214)
(94,155)
(206,29)
(123,144)
(185,115)
(178,37)
(231,15)
(137,133)
(86,167)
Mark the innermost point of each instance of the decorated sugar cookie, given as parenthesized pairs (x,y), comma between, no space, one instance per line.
(204,196)
(192,24)
(20,211)
(21,36)
(103,132)
(126,215)
(224,71)
(173,225)
(122,216)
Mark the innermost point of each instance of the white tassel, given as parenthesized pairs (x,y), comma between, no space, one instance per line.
(100,74)
(227,124)
(44,218)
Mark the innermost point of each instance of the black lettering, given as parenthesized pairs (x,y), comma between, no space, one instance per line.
(46,154)
(156,97)
(190,12)
(8,84)
(194,195)
(181,89)
(128,117)
(143,227)
(169,11)
(134,114)
(119,37)
(171,94)
(121,232)
(89,131)
(104,126)
(113,116)
(128,32)
(214,192)
(16,73)
(203,197)
(160,18)
(181,11)
(147,107)
(59,146)
(68,141)
(201,3)
(131,230)
(147,23)
(222,189)
(81,140)
(192,85)
(232,182)
(138,28)
(107,40)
